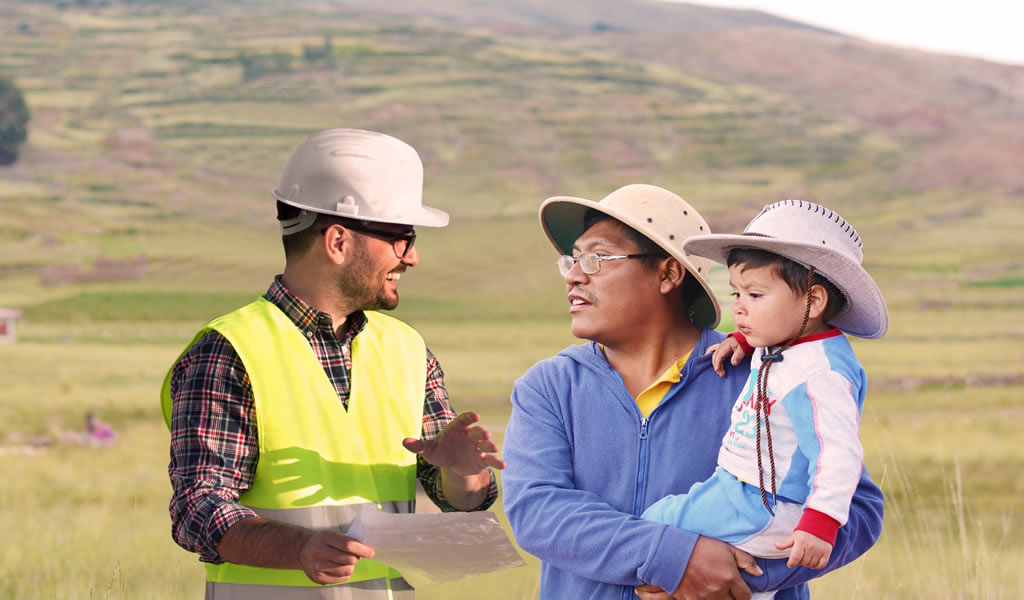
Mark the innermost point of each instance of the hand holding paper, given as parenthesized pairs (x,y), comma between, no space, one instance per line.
(436,548)
(329,557)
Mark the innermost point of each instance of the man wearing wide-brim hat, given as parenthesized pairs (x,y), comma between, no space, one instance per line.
(604,429)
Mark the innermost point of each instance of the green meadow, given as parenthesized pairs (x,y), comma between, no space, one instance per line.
(140,209)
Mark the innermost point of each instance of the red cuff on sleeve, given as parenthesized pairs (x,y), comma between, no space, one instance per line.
(747,348)
(819,524)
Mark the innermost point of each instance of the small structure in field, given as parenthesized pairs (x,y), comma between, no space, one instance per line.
(8,316)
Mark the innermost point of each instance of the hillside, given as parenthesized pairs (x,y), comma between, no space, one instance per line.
(154,117)
(155,111)
(962,118)
(645,16)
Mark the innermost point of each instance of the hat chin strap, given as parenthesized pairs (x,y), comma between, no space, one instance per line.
(761,405)
(303,221)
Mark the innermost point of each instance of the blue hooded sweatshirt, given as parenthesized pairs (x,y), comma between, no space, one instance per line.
(583,464)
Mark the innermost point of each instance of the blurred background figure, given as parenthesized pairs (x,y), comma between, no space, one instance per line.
(97,432)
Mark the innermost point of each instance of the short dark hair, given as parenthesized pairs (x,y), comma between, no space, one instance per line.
(298,243)
(792,273)
(690,288)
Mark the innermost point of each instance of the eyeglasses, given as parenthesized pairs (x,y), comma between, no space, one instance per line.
(401,242)
(590,262)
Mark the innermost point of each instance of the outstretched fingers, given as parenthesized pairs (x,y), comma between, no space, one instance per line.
(414,445)
(493,461)
(478,434)
(464,420)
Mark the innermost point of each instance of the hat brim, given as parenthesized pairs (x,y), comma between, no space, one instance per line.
(865,315)
(423,216)
(561,218)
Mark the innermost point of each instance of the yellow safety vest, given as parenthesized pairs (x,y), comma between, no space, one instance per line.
(320,464)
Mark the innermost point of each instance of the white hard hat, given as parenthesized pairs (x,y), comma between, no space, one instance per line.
(356,174)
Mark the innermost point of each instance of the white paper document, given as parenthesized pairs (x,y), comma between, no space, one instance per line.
(436,548)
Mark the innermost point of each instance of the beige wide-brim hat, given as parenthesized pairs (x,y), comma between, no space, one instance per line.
(658,214)
(813,236)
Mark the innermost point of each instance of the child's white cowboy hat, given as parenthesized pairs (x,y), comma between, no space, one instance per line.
(811,235)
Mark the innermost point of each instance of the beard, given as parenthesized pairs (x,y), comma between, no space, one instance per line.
(364,288)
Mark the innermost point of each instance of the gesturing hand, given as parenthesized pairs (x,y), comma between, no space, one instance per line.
(460,447)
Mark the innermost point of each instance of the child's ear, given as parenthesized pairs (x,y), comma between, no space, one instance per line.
(819,300)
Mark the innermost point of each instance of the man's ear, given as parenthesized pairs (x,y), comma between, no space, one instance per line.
(337,244)
(672,275)
(819,300)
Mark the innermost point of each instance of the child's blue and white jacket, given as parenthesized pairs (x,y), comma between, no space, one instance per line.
(815,395)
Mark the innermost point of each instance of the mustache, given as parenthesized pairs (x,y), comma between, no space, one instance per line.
(585,295)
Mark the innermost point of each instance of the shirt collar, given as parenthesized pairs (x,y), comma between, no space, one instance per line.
(814,337)
(306,318)
(671,375)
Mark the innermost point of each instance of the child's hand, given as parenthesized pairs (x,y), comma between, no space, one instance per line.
(809,550)
(729,346)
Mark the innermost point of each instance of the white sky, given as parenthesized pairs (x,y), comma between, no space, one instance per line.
(991,29)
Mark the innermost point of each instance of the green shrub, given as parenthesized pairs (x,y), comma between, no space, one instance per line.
(14,118)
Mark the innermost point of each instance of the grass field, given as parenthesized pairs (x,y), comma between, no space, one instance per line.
(152,138)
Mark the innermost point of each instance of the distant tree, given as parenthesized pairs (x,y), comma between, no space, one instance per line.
(324,52)
(13,121)
(255,66)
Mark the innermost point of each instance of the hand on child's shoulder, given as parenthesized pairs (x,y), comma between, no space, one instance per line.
(730,346)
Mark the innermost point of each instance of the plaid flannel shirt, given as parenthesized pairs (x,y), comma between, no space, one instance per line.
(214,446)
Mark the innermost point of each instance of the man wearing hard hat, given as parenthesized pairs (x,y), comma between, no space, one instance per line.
(291,414)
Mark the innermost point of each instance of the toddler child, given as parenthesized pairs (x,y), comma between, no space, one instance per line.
(791,460)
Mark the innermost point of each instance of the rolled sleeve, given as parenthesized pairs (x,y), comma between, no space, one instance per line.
(214,447)
(203,522)
(437,413)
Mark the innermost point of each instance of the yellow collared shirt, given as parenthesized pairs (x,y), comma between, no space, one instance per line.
(650,398)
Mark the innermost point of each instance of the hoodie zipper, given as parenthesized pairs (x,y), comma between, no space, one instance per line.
(641,478)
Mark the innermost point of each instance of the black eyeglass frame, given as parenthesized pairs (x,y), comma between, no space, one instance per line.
(394,237)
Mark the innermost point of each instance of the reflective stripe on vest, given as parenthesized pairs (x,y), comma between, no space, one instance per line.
(324,516)
(319,463)
(374,588)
